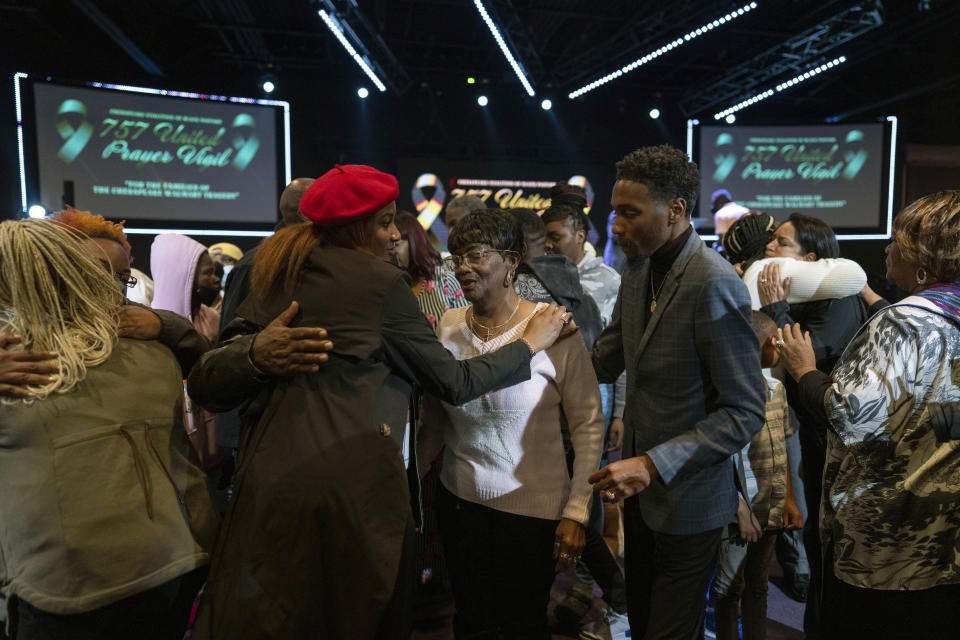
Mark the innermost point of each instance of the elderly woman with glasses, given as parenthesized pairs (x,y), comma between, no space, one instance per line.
(890,522)
(509,512)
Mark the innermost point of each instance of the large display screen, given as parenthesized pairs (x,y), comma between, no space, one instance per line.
(840,173)
(144,155)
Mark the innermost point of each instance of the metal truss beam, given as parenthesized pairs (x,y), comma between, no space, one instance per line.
(368,43)
(791,57)
(644,31)
(517,37)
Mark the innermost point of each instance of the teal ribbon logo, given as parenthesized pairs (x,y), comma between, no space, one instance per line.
(856,157)
(74,139)
(246,147)
(724,161)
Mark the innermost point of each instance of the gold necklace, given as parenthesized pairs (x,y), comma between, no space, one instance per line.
(489,330)
(655,294)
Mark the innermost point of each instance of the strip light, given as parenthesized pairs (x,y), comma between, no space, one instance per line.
(517,69)
(23,174)
(199,232)
(783,86)
(338,32)
(692,35)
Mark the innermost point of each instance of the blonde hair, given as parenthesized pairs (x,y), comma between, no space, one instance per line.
(927,232)
(56,297)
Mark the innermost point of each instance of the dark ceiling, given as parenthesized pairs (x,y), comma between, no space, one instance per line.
(902,58)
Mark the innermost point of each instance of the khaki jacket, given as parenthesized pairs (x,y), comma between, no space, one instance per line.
(100,499)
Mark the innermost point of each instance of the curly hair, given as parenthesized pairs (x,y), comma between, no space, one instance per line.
(493,227)
(665,170)
(93,226)
(927,232)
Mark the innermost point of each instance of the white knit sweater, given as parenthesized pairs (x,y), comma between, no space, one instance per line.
(817,280)
(504,450)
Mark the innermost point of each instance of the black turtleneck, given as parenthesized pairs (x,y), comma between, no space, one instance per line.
(661,262)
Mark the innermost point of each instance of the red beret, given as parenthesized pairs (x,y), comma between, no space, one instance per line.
(347,193)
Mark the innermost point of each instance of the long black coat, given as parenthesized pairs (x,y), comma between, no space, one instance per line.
(311,547)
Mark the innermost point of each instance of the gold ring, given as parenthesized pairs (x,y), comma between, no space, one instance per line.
(762,280)
(610,496)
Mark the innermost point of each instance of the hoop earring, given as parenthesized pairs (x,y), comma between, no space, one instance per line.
(921,279)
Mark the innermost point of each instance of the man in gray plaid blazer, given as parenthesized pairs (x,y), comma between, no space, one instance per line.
(695,394)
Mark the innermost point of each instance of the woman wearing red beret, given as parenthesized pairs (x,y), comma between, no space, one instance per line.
(316,542)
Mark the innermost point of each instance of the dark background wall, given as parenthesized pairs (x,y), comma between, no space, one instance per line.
(905,66)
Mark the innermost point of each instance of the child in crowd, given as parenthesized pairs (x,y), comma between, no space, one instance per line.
(743,565)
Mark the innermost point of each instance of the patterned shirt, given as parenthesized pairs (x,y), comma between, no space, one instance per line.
(439,295)
(765,458)
(891,501)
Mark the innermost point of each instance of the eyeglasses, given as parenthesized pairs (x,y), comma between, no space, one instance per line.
(128,280)
(471,258)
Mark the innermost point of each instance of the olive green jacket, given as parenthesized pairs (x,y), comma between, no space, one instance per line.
(100,500)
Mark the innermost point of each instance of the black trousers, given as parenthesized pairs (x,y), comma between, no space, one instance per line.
(160,613)
(667,578)
(853,613)
(601,562)
(813,457)
(501,568)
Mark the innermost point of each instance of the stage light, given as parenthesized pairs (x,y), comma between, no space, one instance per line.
(654,113)
(673,44)
(730,119)
(362,93)
(482,101)
(334,27)
(268,84)
(783,86)
(517,69)
(547,104)
(471,80)
(36,211)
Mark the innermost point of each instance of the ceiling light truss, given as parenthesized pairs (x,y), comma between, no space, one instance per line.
(693,34)
(783,86)
(794,56)
(501,39)
(363,43)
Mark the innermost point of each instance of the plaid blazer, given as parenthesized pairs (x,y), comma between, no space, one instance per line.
(695,391)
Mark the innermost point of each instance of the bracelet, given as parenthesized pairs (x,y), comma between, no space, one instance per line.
(533,351)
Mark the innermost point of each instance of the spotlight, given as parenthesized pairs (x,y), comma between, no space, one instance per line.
(654,113)
(268,83)
(730,119)
(471,80)
(36,211)
(362,93)
(482,101)
(547,104)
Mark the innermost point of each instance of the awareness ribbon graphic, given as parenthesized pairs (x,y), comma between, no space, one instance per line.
(430,208)
(724,162)
(246,147)
(74,139)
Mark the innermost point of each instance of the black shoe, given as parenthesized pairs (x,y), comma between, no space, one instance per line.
(796,586)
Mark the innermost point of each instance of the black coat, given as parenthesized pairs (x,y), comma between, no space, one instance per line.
(312,544)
